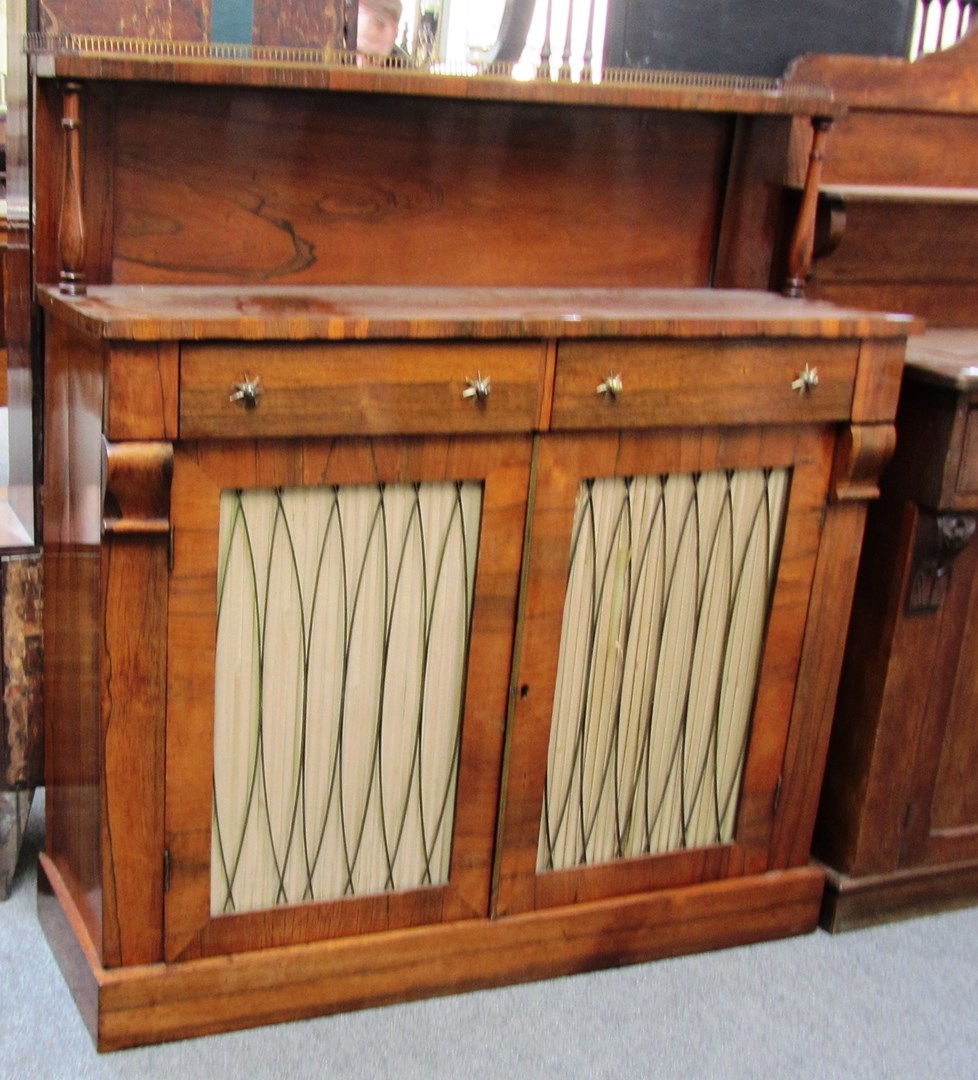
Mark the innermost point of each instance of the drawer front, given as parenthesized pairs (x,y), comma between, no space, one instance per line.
(360,389)
(665,383)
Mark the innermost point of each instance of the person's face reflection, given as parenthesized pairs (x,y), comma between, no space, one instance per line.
(376,31)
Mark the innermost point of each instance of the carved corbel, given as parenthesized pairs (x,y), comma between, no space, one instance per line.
(138,476)
(71,228)
(940,539)
(861,454)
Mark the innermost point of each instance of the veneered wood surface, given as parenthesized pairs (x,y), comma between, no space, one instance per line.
(352,313)
(377,388)
(92,59)
(363,188)
(666,382)
(73,678)
(300,22)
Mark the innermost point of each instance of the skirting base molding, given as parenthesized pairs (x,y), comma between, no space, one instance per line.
(140,1005)
(854,902)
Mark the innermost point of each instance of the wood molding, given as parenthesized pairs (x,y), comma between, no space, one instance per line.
(152,1003)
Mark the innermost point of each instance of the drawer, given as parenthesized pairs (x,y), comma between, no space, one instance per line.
(374,388)
(696,382)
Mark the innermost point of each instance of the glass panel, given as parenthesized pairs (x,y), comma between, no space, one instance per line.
(667,600)
(342,642)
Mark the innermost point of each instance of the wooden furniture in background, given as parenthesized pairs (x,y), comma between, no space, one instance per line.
(485,310)
(272,24)
(21,710)
(898,826)
(898,823)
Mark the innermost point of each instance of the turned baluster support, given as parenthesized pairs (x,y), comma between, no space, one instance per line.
(565,64)
(71,229)
(803,240)
(543,68)
(587,72)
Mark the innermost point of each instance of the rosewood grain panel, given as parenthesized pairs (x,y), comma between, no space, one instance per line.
(133,657)
(818,679)
(663,383)
(315,23)
(889,146)
(752,205)
(73,591)
(142,394)
(352,389)
(161,20)
(364,189)
(955,788)
(905,255)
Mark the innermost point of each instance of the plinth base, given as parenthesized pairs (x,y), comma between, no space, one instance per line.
(134,1006)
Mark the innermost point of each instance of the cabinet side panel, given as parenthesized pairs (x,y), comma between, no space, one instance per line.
(72,573)
(133,657)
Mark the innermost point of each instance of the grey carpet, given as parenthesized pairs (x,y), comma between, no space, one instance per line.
(899,1001)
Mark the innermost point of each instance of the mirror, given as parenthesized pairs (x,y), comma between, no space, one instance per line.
(564,37)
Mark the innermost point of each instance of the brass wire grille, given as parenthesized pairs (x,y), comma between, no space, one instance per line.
(342,640)
(667,601)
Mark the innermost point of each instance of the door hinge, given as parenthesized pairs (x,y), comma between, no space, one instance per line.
(169,551)
(777,794)
(166,871)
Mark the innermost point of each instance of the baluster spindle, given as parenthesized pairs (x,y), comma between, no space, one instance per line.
(565,66)
(71,229)
(964,17)
(925,6)
(587,73)
(941,24)
(543,69)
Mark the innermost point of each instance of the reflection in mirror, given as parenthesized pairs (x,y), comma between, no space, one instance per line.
(540,38)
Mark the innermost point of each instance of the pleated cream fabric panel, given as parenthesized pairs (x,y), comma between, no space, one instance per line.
(664,617)
(343,626)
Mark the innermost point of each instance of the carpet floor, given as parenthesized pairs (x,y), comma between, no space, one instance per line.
(897,1001)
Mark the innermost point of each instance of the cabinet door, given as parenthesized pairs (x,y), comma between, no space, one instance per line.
(340,639)
(668,580)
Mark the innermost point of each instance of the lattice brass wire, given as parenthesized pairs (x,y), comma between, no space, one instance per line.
(666,606)
(344,616)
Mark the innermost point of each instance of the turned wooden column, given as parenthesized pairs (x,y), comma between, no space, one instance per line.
(71,229)
(803,239)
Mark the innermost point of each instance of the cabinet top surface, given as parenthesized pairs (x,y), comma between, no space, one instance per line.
(946,357)
(300,313)
(128,59)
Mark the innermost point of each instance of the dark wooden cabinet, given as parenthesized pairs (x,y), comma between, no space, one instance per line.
(898,824)
(897,821)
